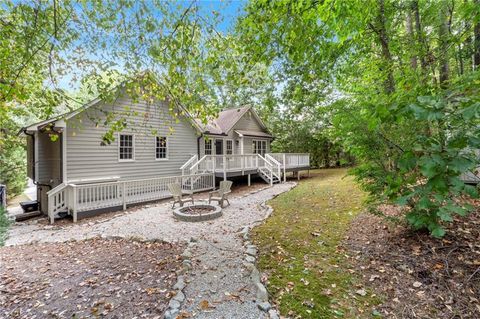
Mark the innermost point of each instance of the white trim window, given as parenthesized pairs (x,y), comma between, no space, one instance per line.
(126,147)
(208,146)
(229,147)
(259,147)
(161,148)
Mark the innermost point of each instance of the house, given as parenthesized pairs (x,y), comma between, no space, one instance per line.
(80,172)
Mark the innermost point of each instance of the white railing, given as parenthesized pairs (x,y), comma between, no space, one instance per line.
(269,168)
(57,200)
(201,166)
(76,198)
(245,162)
(292,160)
(188,165)
(238,162)
(276,166)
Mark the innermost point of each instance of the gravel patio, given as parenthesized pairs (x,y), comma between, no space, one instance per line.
(218,285)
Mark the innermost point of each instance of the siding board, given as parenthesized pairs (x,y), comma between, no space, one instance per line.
(49,160)
(88,159)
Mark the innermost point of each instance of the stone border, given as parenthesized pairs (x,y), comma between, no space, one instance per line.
(251,252)
(217,212)
(176,302)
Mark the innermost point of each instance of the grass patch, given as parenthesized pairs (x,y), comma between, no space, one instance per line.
(4,224)
(308,272)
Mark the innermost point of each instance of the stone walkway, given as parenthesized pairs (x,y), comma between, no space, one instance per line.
(219,285)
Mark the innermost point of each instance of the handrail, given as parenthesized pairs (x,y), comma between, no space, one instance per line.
(136,180)
(198,162)
(57,188)
(57,200)
(277,164)
(270,158)
(189,162)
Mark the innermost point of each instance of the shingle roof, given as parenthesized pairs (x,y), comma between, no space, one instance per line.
(225,121)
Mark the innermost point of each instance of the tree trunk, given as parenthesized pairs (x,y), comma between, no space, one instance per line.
(476,33)
(411,40)
(467,46)
(384,42)
(443,43)
(420,39)
(461,67)
(326,154)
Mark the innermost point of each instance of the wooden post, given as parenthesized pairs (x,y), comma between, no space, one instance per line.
(242,164)
(298,175)
(271,177)
(124,195)
(213,180)
(50,209)
(74,204)
(284,169)
(224,168)
(248,179)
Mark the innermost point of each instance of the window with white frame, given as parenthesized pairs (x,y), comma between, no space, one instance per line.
(229,146)
(161,147)
(259,147)
(208,147)
(126,151)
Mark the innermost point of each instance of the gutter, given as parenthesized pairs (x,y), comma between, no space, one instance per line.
(198,145)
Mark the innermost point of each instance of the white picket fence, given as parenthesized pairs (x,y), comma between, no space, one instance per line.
(75,198)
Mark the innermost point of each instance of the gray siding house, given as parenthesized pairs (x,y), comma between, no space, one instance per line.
(78,173)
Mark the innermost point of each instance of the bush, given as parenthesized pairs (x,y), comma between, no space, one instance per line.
(415,158)
(4,224)
(13,165)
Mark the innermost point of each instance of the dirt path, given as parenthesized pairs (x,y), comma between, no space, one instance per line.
(219,285)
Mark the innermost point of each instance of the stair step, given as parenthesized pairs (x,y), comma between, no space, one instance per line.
(25,216)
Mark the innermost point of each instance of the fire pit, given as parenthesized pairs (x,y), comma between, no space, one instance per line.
(198,212)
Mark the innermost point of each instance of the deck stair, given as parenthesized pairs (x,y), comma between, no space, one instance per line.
(267,177)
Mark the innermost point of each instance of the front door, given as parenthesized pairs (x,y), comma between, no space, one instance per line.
(218,147)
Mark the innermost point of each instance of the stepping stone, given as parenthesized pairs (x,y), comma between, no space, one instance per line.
(264,306)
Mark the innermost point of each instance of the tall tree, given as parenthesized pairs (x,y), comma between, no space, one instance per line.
(476,32)
(410,130)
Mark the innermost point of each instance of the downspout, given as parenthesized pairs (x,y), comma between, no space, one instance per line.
(198,145)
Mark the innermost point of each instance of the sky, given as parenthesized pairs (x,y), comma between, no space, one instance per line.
(228,10)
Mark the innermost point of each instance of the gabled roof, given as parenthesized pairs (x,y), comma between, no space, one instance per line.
(227,119)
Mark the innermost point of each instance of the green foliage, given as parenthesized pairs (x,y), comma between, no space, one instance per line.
(307,132)
(4,224)
(393,82)
(13,166)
